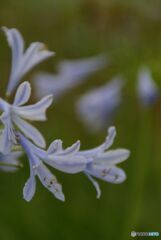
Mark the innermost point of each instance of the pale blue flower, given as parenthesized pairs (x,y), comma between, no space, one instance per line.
(37,168)
(18,134)
(15,115)
(103,164)
(64,160)
(147,90)
(71,73)
(23,61)
(97,107)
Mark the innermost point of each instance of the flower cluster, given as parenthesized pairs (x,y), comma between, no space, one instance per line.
(18,135)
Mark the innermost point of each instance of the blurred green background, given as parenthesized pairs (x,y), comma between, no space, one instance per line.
(129,32)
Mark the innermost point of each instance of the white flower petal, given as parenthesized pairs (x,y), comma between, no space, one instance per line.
(29,188)
(36,111)
(110,138)
(4,106)
(55,147)
(100,149)
(35,54)
(23,94)
(68,164)
(112,157)
(50,182)
(107,173)
(30,131)
(16,43)
(72,149)
(95,184)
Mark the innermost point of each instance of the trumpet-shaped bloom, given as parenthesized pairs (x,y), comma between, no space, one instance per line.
(97,107)
(23,61)
(37,168)
(15,115)
(98,162)
(70,74)
(103,164)
(64,160)
(147,90)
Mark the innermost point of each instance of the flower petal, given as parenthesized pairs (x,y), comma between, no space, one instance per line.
(72,149)
(23,94)
(68,164)
(29,188)
(55,147)
(112,157)
(30,131)
(108,142)
(35,54)
(4,106)
(16,43)
(95,184)
(23,62)
(50,182)
(36,111)
(107,173)
(110,138)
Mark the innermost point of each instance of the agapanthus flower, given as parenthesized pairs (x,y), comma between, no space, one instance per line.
(16,115)
(71,73)
(18,136)
(23,61)
(67,160)
(103,162)
(147,90)
(97,107)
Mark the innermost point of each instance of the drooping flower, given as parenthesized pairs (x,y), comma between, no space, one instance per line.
(71,73)
(15,116)
(103,164)
(64,160)
(97,107)
(98,162)
(23,61)
(147,90)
